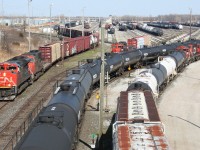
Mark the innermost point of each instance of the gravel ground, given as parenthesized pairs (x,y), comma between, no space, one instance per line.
(179,110)
(91,119)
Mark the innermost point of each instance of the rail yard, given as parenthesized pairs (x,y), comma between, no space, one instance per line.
(51,93)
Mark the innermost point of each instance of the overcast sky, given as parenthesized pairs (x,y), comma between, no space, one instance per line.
(100,7)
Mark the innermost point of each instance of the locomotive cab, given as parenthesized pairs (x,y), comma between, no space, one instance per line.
(117,48)
(7,75)
(8,79)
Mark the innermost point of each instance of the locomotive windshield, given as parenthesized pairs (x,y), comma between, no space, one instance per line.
(2,67)
(5,67)
(11,68)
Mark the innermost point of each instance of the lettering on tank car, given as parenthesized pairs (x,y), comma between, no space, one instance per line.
(127,59)
(164,50)
(95,76)
(53,108)
(79,115)
(111,66)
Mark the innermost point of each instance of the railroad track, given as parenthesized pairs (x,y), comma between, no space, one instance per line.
(2,105)
(11,133)
(168,34)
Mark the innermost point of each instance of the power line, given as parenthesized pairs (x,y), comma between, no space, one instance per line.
(190,77)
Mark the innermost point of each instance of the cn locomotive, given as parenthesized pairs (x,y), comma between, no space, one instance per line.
(56,127)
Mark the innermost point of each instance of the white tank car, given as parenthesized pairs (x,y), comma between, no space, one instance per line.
(169,65)
(149,79)
(180,27)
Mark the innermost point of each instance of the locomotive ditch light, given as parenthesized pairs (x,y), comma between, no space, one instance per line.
(129,68)
(4,74)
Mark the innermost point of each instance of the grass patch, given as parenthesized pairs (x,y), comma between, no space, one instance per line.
(93,53)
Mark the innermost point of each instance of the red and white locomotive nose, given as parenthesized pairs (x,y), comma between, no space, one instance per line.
(6,76)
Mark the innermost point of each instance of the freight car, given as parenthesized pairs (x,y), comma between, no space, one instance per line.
(151,30)
(74,33)
(19,72)
(56,126)
(137,122)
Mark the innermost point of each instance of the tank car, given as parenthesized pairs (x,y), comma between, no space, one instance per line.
(151,30)
(111,30)
(131,26)
(94,67)
(131,57)
(58,122)
(163,72)
(114,63)
(122,27)
(179,57)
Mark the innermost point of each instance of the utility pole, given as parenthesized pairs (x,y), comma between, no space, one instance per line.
(2,25)
(29,32)
(83,22)
(50,19)
(70,32)
(101,85)
(190,22)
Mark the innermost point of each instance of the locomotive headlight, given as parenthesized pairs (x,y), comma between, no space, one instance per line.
(9,84)
(4,74)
